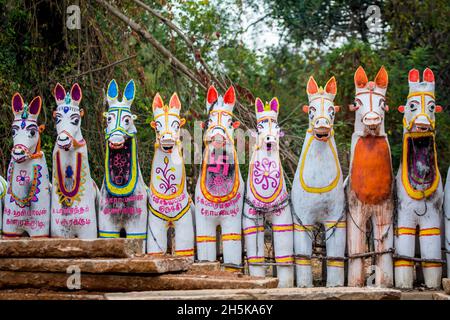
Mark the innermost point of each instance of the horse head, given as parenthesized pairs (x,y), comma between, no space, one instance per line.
(370,102)
(25,130)
(321,109)
(220,126)
(267,127)
(167,122)
(68,117)
(419,111)
(120,121)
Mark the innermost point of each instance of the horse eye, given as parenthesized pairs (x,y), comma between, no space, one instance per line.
(109,119)
(76,122)
(413,106)
(32,133)
(432,107)
(13,132)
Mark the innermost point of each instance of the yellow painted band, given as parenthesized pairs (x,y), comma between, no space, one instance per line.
(333,184)
(403,263)
(430,232)
(335,263)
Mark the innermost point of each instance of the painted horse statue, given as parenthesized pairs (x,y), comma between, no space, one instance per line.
(317,194)
(219,193)
(27,202)
(419,186)
(370,182)
(169,201)
(123,200)
(3,189)
(74,192)
(267,198)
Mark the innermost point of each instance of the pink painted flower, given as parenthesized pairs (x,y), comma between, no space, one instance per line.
(22,178)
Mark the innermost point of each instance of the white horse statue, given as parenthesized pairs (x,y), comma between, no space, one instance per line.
(74,192)
(267,198)
(370,182)
(169,201)
(27,203)
(219,193)
(123,201)
(419,186)
(317,194)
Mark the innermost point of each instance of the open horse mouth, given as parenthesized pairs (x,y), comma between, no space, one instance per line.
(120,163)
(322,133)
(421,161)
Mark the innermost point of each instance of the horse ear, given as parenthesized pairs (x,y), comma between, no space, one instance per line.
(259,105)
(175,102)
(230,96)
(428,75)
(212,95)
(76,94)
(382,78)
(413,75)
(312,87)
(59,92)
(157,102)
(401,109)
(274,104)
(113,90)
(331,86)
(360,77)
(17,103)
(129,92)
(35,106)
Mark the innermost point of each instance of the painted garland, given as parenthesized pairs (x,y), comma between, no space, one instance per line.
(126,190)
(204,189)
(333,184)
(34,189)
(67,197)
(412,192)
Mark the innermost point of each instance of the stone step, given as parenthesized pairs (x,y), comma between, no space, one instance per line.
(71,248)
(440,296)
(446,285)
(201,267)
(122,265)
(342,293)
(126,283)
(36,294)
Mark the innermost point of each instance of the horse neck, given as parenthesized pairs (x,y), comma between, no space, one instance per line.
(162,162)
(69,157)
(261,153)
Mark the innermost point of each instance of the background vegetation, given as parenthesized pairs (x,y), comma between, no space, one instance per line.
(320,38)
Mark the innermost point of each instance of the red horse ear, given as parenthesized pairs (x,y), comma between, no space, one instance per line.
(428,75)
(438,109)
(360,77)
(212,95)
(382,78)
(305,108)
(401,109)
(157,102)
(331,86)
(312,87)
(230,96)
(175,101)
(413,75)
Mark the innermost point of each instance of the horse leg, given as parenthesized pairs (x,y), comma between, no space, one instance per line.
(356,242)
(303,241)
(447,242)
(184,236)
(430,248)
(156,235)
(405,243)
(232,241)
(282,228)
(206,237)
(384,241)
(335,243)
(254,243)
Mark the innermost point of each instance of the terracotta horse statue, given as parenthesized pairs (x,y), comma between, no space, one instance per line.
(317,194)
(74,192)
(219,193)
(267,198)
(169,201)
(419,186)
(370,181)
(123,200)
(27,202)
